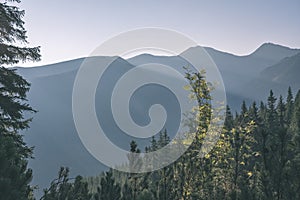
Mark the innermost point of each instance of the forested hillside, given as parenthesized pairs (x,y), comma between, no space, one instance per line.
(256,157)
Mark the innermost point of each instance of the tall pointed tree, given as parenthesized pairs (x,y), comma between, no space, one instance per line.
(14,174)
(109,188)
(63,188)
(295,165)
(12,32)
(289,106)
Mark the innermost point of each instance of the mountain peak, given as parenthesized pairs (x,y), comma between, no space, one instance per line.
(270,51)
(272,46)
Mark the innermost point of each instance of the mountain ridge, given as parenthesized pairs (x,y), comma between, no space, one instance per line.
(266,45)
(53,131)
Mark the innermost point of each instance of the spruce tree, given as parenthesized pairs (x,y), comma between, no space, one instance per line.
(14,174)
(65,188)
(295,147)
(13,33)
(127,193)
(289,106)
(109,188)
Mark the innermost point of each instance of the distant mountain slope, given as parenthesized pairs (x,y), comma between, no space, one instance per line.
(53,132)
(50,70)
(277,77)
(237,71)
(285,72)
(273,52)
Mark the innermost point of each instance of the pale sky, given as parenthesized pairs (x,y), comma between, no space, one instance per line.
(68,29)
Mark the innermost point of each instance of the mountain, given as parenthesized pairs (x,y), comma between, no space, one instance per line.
(273,52)
(285,72)
(53,132)
(278,77)
(237,71)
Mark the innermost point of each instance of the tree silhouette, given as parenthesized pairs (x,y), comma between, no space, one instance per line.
(14,175)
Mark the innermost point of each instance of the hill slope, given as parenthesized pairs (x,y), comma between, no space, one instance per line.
(53,132)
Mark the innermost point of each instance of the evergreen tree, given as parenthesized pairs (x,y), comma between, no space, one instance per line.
(283,139)
(63,189)
(127,192)
(257,157)
(14,174)
(108,189)
(294,173)
(289,106)
(270,147)
(13,32)
(134,163)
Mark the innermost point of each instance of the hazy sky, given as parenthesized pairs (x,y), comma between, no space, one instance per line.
(67,29)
